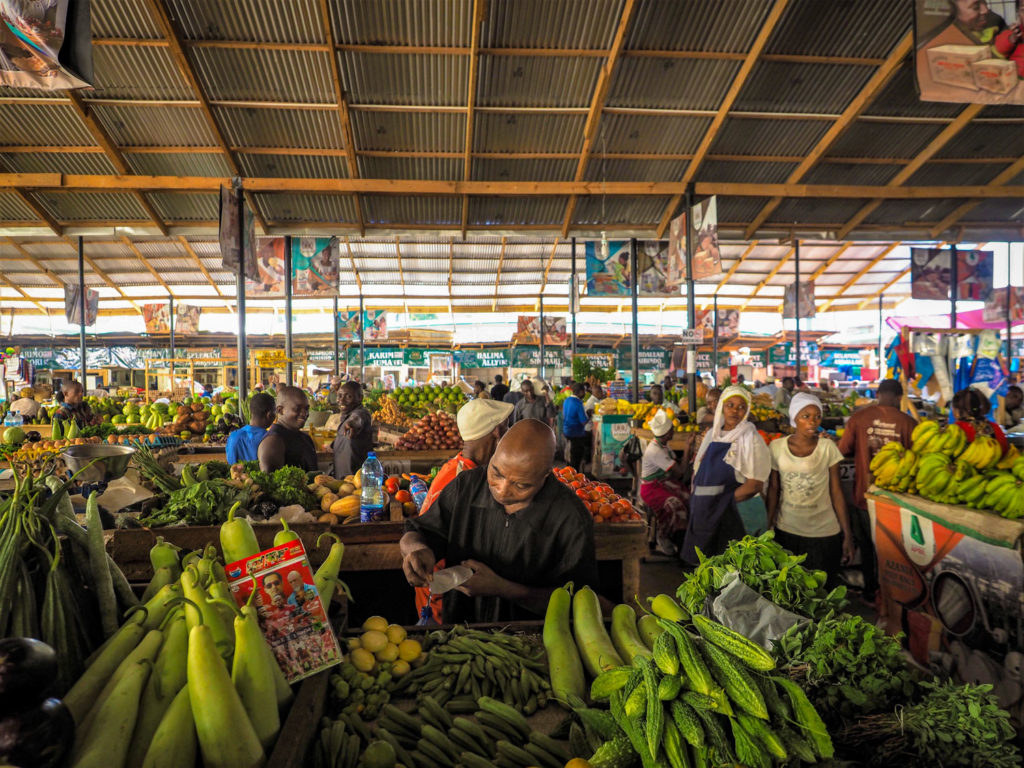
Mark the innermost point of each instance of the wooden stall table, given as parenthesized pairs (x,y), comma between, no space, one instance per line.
(678,442)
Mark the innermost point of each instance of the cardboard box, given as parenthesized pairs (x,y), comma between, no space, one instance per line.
(995,75)
(951,64)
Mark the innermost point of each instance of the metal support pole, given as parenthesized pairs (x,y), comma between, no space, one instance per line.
(242,377)
(714,343)
(1009,319)
(362,342)
(289,371)
(337,340)
(170,323)
(881,349)
(954,279)
(691,303)
(635,346)
(540,333)
(574,297)
(796,296)
(81,307)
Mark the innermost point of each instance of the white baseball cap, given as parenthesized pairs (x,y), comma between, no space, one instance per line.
(661,423)
(478,417)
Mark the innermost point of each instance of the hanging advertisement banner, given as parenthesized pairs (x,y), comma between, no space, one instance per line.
(314,266)
(527,333)
(374,320)
(806,295)
(186,319)
(931,274)
(677,251)
(73,305)
(157,318)
(995,306)
(974,275)
(728,324)
(227,234)
(607,268)
(656,274)
(483,358)
(269,261)
(969,52)
(45,44)
(707,258)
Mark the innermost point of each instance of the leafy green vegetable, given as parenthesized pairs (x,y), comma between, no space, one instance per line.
(207,502)
(284,486)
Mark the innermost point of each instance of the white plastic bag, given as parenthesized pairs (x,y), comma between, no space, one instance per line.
(743,610)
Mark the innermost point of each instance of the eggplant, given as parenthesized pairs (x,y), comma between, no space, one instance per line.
(28,669)
(41,737)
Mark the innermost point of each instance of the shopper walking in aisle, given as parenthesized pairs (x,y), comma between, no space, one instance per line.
(500,388)
(574,422)
(354,440)
(482,423)
(806,505)
(732,465)
(244,444)
(866,432)
(530,406)
(661,488)
(519,529)
(285,443)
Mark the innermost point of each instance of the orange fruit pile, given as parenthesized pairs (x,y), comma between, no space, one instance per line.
(601,501)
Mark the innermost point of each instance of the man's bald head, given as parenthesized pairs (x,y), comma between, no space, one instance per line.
(529,441)
(292,407)
(521,464)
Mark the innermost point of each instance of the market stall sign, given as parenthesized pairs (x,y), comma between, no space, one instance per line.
(383,357)
(598,358)
(529,357)
(784,354)
(704,360)
(651,359)
(320,355)
(483,358)
(837,358)
(267,358)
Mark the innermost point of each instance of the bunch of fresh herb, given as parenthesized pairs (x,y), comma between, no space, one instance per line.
(285,486)
(206,502)
(847,665)
(767,568)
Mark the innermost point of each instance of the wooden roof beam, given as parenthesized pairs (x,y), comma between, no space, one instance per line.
(1006,175)
(739,262)
(945,136)
(28,256)
(43,214)
(22,293)
(826,264)
(206,273)
(604,82)
(774,271)
(547,269)
(859,103)
(101,274)
(479,13)
(352,262)
(770,22)
(881,291)
(497,277)
(145,262)
(860,273)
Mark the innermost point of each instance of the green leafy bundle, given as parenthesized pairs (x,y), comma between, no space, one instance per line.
(846,665)
(952,725)
(285,486)
(205,502)
(767,568)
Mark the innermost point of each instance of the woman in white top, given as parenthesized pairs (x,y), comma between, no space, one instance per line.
(806,505)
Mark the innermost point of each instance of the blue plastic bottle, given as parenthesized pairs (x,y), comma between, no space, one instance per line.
(418,489)
(371,504)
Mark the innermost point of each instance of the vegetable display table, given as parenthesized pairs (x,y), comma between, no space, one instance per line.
(952,578)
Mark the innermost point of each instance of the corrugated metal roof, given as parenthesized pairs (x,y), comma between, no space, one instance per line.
(227,74)
(425,79)
(1006,210)
(154,126)
(599,169)
(871,139)
(704,25)
(59,162)
(280,128)
(671,83)
(143,72)
(899,98)
(178,163)
(122,18)
(851,173)
(767,137)
(412,210)
(293,166)
(423,131)
(508,169)
(536,81)
(739,209)
(815,210)
(403,22)
(42,124)
(619,210)
(295,21)
(307,208)
(979,139)
(511,132)
(510,211)
(13,209)
(901,211)
(186,206)
(650,133)
(812,88)
(939,174)
(91,206)
(548,24)
(869,28)
(434,168)
(728,171)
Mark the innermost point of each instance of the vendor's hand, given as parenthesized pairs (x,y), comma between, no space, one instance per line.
(849,550)
(418,566)
(346,429)
(483,583)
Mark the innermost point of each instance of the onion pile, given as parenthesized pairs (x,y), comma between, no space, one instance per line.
(435,431)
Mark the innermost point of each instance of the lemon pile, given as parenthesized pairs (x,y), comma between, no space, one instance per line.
(383,644)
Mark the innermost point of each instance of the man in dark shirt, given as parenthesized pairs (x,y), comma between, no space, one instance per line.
(499,390)
(354,440)
(522,532)
(285,443)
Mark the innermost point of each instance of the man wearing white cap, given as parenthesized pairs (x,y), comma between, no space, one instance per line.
(660,488)
(481,424)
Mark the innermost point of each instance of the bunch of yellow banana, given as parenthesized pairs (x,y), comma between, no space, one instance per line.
(935,475)
(983,453)
(893,467)
(929,437)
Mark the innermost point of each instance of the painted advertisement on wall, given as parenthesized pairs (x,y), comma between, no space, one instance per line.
(45,44)
(969,51)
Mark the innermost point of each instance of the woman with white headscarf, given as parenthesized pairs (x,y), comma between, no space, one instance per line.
(732,465)
(806,504)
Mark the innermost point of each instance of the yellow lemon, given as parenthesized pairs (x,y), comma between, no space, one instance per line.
(363,660)
(388,653)
(409,650)
(395,633)
(400,668)
(376,622)
(353,643)
(374,640)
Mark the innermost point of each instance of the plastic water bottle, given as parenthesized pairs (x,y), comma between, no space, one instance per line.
(418,489)
(371,498)
(13,419)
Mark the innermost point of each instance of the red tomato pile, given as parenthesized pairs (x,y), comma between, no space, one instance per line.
(600,500)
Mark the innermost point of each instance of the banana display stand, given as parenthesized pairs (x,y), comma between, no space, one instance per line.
(952,579)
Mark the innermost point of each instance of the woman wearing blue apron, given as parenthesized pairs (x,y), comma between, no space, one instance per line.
(732,465)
